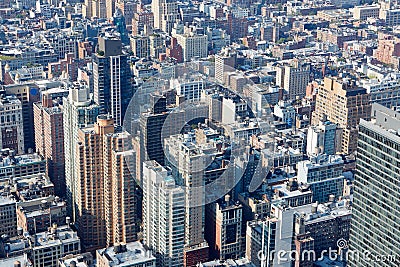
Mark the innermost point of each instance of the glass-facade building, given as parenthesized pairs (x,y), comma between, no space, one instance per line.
(375,229)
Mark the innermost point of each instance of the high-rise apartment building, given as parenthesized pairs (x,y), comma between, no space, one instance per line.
(163,215)
(375,227)
(105,191)
(111,77)
(78,111)
(11,127)
(27,93)
(342,102)
(49,139)
(120,189)
(189,162)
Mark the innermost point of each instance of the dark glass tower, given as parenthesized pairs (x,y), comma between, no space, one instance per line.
(111,75)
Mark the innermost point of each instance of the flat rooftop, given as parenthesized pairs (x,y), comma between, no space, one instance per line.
(135,253)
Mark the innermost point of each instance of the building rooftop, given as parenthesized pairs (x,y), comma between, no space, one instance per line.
(81,260)
(127,254)
(56,236)
(228,263)
(10,262)
(6,201)
(9,100)
(7,159)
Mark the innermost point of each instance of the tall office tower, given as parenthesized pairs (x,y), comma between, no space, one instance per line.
(151,124)
(321,138)
(165,14)
(342,102)
(11,127)
(189,163)
(375,226)
(128,9)
(79,111)
(120,188)
(225,61)
(163,215)
(111,77)
(224,229)
(294,79)
(87,9)
(49,139)
(118,21)
(105,192)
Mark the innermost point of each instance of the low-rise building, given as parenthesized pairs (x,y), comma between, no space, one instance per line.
(50,246)
(132,254)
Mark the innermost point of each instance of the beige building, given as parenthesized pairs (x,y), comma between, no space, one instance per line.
(343,103)
(165,14)
(193,45)
(105,203)
(365,12)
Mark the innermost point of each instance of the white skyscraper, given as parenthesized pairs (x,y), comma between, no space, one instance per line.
(163,215)
(79,111)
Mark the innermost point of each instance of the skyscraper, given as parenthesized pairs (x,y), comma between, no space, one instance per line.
(120,189)
(49,139)
(163,215)
(111,77)
(375,226)
(105,191)
(79,111)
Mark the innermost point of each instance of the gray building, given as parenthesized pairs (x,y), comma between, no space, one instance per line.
(375,225)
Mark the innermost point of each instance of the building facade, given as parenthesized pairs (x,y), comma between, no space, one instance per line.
(376,190)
